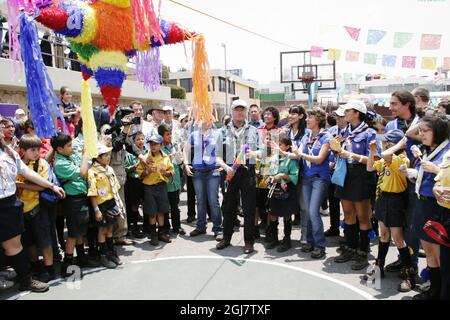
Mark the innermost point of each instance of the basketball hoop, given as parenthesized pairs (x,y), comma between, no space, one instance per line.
(307,78)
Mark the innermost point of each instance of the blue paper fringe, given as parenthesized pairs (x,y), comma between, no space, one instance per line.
(41,96)
(109,77)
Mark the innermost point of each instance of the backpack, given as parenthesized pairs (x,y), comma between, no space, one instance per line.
(48,194)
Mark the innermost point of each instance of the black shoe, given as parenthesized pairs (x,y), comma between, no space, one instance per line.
(331,233)
(196,232)
(106,262)
(179,231)
(272,244)
(164,237)
(306,247)
(361,260)
(285,245)
(394,266)
(318,253)
(248,248)
(347,255)
(88,262)
(223,244)
(137,233)
(114,258)
(190,219)
(154,241)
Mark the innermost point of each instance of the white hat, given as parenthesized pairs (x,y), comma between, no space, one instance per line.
(19,111)
(184,115)
(340,112)
(156,138)
(167,108)
(358,105)
(102,149)
(238,103)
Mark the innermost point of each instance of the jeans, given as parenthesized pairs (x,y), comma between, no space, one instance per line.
(411,239)
(314,191)
(206,186)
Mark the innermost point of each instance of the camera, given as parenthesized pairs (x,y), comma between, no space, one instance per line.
(136,120)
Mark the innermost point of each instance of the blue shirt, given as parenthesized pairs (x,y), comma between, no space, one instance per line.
(256,124)
(360,144)
(313,148)
(205,150)
(250,136)
(334,131)
(426,188)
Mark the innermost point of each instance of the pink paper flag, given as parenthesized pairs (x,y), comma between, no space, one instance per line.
(352,56)
(446,63)
(316,51)
(353,32)
(408,62)
(430,42)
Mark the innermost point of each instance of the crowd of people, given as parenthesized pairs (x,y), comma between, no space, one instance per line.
(390,178)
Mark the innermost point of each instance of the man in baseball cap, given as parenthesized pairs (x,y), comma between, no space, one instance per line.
(238,103)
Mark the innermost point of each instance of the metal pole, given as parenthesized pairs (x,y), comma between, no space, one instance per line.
(226,79)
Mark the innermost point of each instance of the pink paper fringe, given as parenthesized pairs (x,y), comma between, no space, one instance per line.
(146,24)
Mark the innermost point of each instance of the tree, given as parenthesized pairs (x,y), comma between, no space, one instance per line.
(177,92)
(165,74)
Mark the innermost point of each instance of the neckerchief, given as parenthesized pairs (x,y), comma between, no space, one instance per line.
(238,135)
(108,171)
(312,142)
(403,124)
(353,133)
(428,158)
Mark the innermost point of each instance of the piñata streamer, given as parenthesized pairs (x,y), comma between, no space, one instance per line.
(41,96)
(89,128)
(201,105)
(148,68)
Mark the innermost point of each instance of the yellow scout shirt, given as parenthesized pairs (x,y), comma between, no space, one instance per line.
(30,198)
(443,177)
(160,161)
(393,180)
(100,186)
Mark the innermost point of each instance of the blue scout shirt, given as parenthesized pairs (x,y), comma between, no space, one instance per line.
(360,143)
(426,188)
(312,147)
(205,150)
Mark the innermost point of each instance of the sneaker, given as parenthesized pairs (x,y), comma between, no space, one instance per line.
(306,247)
(5,284)
(164,238)
(347,255)
(223,244)
(331,233)
(318,253)
(30,284)
(219,237)
(8,274)
(106,262)
(394,266)
(285,245)
(361,260)
(409,282)
(196,232)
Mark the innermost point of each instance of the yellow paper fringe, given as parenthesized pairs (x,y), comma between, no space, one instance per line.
(118,3)
(201,104)
(90,24)
(89,128)
(109,59)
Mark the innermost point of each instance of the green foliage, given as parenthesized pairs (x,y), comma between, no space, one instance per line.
(177,92)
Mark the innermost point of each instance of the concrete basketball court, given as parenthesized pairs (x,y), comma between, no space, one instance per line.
(192,269)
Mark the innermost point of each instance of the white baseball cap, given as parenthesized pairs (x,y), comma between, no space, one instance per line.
(102,149)
(358,105)
(340,112)
(167,108)
(238,103)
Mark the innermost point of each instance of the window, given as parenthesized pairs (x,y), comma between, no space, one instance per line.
(222,85)
(186,84)
(231,87)
(251,93)
(173,81)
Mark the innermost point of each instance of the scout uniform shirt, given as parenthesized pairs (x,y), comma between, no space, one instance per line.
(160,161)
(174,183)
(100,185)
(67,170)
(443,177)
(30,198)
(392,180)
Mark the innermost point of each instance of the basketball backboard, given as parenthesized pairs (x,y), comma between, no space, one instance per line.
(296,66)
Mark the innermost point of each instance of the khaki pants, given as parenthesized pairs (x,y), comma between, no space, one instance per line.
(120,229)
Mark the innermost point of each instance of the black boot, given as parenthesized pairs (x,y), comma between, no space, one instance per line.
(137,233)
(274,239)
(153,235)
(162,235)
